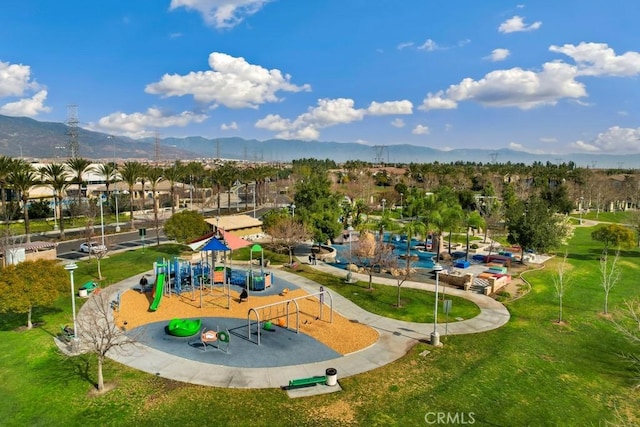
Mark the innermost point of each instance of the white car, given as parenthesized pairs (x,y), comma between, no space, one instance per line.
(92,248)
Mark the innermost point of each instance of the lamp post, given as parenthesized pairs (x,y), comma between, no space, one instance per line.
(383,202)
(70,268)
(117,212)
(102,220)
(293,210)
(435,337)
(401,196)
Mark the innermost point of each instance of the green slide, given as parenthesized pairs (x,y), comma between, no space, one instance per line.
(157,296)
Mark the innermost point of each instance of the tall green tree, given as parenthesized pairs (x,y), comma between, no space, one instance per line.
(172,175)
(131,172)
(533,225)
(22,179)
(155,176)
(31,284)
(57,176)
(78,167)
(185,226)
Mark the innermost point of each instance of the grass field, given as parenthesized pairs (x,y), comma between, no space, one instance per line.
(532,371)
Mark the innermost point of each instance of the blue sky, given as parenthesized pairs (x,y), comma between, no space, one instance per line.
(544,76)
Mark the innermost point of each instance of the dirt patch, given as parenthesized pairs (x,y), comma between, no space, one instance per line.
(342,335)
(340,411)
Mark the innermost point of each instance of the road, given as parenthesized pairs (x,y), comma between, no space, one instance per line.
(69,249)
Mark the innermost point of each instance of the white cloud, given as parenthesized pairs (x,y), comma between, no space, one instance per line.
(516,24)
(448,127)
(15,79)
(498,55)
(329,112)
(513,87)
(437,102)
(230,126)
(398,123)
(623,113)
(221,13)
(138,125)
(583,146)
(29,107)
(232,82)
(597,59)
(614,140)
(405,45)
(548,139)
(420,130)
(516,146)
(390,107)
(429,45)
(16,82)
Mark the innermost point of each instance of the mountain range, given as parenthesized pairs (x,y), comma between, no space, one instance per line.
(29,138)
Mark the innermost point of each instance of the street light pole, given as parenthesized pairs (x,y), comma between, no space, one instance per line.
(401,195)
(254,200)
(435,337)
(70,268)
(117,213)
(383,202)
(102,220)
(293,210)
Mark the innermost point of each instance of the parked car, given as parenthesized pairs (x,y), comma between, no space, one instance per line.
(92,248)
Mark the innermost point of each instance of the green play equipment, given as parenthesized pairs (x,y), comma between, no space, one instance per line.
(184,327)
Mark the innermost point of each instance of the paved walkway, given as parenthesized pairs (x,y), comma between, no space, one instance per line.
(396,338)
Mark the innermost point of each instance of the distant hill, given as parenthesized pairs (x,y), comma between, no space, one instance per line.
(47,140)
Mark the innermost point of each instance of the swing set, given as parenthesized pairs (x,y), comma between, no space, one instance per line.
(282,316)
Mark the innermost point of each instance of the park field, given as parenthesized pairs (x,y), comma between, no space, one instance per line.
(531,372)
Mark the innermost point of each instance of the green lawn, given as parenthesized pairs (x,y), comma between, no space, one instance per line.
(618,217)
(529,372)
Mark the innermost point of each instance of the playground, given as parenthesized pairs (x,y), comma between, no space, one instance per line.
(240,316)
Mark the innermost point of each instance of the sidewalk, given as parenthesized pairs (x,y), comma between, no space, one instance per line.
(396,338)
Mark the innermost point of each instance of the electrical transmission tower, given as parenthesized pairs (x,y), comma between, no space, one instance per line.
(73,146)
(494,157)
(380,149)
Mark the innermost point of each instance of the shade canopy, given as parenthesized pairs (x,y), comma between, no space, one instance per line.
(214,245)
(234,242)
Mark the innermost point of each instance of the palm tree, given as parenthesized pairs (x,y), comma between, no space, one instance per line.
(172,175)
(130,173)
(154,175)
(229,174)
(6,166)
(216,177)
(108,172)
(21,179)
(78,167)
(472,219)
(56,176)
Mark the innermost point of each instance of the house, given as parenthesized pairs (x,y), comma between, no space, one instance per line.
(244,226)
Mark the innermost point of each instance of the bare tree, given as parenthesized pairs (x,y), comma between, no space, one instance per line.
(627,321)
(286,234)
(372,255)
(99,333)
(561,282)
(609,275)
(401,275)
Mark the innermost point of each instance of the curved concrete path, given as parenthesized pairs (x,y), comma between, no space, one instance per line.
(396,338)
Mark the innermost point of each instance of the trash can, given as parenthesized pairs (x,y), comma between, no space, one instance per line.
(332,376)
(82,293)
